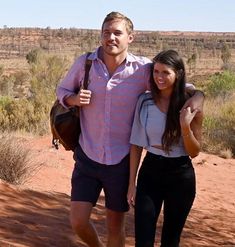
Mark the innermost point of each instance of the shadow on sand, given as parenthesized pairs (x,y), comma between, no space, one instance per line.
(40,219)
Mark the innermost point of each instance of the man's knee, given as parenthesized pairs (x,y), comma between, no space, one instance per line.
(78,224)
(116,222)
(116,229)
(80,216)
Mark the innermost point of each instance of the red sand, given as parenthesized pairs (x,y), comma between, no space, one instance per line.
(36,214)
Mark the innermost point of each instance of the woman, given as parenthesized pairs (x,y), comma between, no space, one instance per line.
(171,137)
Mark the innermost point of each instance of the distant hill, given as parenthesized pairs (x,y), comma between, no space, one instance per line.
(201,51)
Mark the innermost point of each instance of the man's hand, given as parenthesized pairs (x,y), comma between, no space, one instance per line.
(195,102)
(81,99)
(84,97)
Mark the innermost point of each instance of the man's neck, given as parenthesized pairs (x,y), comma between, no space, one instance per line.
(112,62)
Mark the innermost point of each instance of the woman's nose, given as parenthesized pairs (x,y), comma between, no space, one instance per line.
(159,76)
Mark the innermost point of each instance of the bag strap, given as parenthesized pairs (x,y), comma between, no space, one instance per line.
(87,69)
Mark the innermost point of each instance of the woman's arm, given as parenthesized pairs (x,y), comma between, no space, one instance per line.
(191,130)
(135,156)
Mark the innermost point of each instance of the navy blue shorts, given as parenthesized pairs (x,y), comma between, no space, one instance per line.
(90,177)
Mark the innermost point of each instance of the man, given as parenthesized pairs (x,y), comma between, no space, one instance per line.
(117,78)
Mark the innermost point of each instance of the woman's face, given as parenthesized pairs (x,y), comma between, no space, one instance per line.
(164,76)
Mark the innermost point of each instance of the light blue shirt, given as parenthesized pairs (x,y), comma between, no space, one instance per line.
(148,128)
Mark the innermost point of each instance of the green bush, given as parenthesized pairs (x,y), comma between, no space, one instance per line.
(221,84)
(32,114)
(219,112)
(46,73)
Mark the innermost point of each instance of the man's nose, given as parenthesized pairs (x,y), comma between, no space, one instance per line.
(112,36)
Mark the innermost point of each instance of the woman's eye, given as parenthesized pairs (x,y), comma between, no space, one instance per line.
(156,72)
(166,73)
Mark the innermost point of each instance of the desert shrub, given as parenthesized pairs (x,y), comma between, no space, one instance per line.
(45,76)
(33,56)
(218,137)
(20,78)
(32,114)
(22,115)
(219,112)
(14,84)
(4,121)
(6,85)
(221,84)
(1,69)
(16,163)
(225,53)
(16,114)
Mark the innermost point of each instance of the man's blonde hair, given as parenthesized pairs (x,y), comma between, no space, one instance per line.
(118,16)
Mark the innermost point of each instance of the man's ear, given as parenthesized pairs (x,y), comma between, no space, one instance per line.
(131,38)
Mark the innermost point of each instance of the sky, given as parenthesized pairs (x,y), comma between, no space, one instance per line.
(149,15)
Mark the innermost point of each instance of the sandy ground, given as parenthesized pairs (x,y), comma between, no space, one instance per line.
(36,214)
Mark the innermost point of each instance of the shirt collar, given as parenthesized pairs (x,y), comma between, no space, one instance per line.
(129,59)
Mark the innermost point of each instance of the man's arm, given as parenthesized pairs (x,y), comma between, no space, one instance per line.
(196,100)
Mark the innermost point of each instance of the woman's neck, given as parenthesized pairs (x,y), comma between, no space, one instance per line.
(162,101)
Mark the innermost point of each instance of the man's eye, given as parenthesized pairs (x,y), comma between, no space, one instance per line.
(105,33)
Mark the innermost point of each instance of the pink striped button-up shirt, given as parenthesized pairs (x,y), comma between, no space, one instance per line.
(106,122)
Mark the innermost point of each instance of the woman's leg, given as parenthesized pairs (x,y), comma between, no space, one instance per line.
(177,205)
(147,205)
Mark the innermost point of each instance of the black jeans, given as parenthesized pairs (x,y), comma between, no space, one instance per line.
(168,181)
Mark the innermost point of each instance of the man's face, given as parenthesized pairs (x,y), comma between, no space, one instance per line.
(114,37)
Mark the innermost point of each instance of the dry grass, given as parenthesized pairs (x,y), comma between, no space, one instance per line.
(226,154)
(218,126)
(16,163)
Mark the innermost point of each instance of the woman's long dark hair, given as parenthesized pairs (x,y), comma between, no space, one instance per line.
(172,131)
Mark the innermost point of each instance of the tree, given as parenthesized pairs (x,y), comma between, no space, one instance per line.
(32,56)
(225,54)
(192,62)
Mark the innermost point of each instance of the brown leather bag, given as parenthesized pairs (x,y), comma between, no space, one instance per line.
(65,122)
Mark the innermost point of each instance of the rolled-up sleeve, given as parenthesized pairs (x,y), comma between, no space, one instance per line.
(72,81)
(138,132)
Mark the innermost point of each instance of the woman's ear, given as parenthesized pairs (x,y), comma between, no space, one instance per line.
(180,74)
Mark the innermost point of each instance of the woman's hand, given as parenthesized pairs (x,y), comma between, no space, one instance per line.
(186,117)
(131,195)
(191,130)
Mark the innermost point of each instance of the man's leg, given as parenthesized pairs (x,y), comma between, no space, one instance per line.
(86,189)
(80,213)
(115,184)
(116,228)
